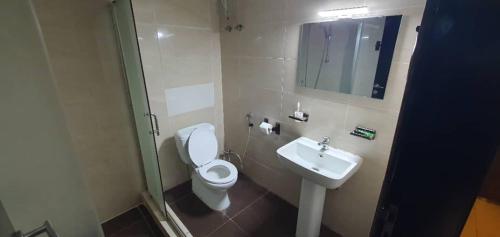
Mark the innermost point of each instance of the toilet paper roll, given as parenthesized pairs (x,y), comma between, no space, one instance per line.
(266,128)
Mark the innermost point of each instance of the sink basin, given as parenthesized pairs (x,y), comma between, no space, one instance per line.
(330,168)
(319,170)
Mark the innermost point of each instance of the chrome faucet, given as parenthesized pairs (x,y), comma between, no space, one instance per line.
(324,143)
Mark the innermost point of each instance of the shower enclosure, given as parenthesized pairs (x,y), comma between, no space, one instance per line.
(126,34)
(171,62)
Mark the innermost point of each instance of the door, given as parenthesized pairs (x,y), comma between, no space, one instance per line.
(146,122)
(40,178)
(448,128)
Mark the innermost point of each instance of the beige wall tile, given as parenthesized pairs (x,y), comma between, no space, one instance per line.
(259,72)
(188,13)
(179,72)
(236,137)
(262,40)
(183,42)
(173,170)
(261,11)
(261,102)
(180,46)
(292,38)
(230,81)
(231,42)
(147,35)
(87,73)
(144,10)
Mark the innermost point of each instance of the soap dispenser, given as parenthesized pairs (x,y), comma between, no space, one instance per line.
(299,115)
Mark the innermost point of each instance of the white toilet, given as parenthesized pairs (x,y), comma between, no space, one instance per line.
(211,177)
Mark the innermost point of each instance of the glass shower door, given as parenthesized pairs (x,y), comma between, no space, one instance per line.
(126,33)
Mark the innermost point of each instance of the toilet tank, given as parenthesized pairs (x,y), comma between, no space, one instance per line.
(182,136)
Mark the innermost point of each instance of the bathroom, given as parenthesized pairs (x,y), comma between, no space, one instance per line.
(204,117)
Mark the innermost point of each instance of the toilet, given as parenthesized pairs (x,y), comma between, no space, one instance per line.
(211,177)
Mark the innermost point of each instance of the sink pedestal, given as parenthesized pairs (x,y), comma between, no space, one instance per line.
(312,199)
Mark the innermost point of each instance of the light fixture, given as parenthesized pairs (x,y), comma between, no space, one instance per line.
(344,12)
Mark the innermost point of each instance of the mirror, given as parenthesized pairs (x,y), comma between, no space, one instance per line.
(351,56)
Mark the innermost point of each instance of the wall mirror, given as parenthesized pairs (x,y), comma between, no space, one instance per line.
(351,56)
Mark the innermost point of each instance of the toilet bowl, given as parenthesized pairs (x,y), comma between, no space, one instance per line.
(211,177)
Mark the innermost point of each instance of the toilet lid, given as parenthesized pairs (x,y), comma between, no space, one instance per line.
(202,146)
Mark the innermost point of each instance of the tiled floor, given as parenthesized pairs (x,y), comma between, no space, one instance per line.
(484,220)
(253,212)
(134,223)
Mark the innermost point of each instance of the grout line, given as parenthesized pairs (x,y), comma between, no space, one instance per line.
(249,205)
(239,227)
(217,228)
(230,219)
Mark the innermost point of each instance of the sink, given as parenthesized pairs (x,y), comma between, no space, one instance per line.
(319,169)
(330,168)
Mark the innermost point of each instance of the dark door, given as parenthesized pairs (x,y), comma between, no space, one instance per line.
(448,129)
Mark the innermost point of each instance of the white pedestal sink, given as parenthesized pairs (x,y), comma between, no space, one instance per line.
(319,170)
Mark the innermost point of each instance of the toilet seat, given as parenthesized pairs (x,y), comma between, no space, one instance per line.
(218,172)
(211,178)
(202,147)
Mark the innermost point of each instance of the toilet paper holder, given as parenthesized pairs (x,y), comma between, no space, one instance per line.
(276,128)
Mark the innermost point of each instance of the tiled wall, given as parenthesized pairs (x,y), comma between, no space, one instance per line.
(180,46)
(85,63)
(258,74)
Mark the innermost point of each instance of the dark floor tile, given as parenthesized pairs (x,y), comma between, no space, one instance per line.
(151,223)
(254,212)
(272,216)
(178,192)
(230,229)
(242,194)
(196,216)
(139,229)
(269,216)
(124,220)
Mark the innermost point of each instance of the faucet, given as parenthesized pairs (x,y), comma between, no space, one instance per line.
(324,143)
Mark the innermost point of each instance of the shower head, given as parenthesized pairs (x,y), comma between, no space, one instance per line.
(226,6)
(327,28)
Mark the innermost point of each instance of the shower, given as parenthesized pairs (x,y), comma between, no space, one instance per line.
(226,8)
(328,38)
(325,56)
